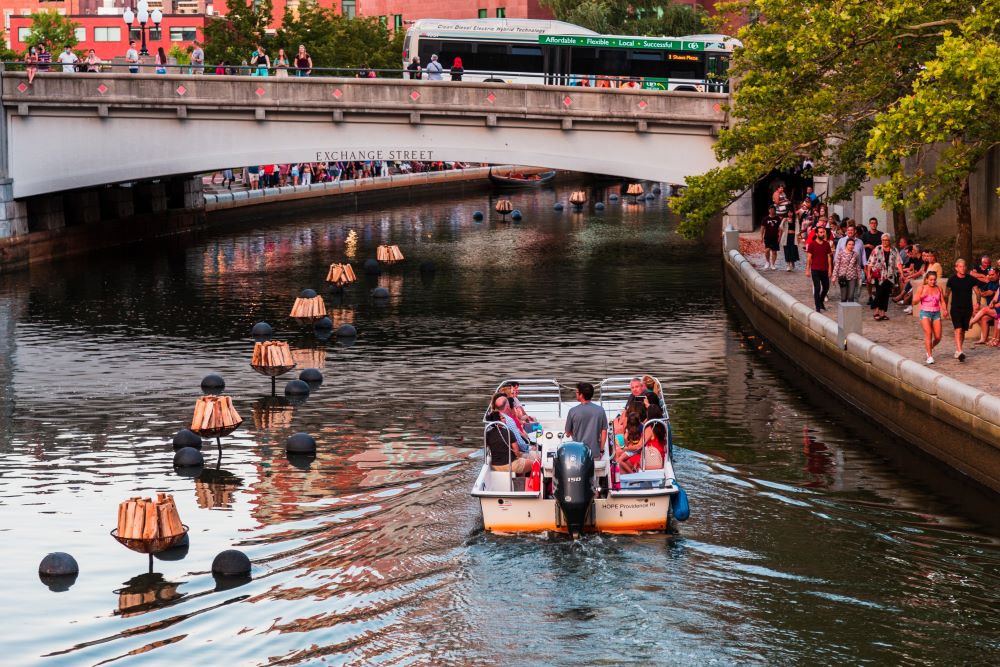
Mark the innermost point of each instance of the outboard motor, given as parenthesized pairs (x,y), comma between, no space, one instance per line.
(573,483)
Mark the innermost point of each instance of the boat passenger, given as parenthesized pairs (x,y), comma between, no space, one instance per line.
(652,386)
(587,423)
(515,402)
(629,443)
(501,405)
(631,407)
(505,452)
(641,396)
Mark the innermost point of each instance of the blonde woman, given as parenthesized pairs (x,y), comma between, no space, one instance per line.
(929,298)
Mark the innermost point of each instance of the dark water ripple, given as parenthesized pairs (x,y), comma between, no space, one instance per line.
(808,543)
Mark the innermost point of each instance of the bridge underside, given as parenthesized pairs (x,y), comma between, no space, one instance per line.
(52,151)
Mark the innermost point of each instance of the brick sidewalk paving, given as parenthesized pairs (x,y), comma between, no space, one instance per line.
(901,333)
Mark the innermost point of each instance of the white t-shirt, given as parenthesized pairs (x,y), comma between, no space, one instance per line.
(68,60)
(132,56)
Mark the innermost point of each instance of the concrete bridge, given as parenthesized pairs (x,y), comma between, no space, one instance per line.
(70,131)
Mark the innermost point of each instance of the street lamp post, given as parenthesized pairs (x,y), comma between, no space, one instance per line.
(142,13)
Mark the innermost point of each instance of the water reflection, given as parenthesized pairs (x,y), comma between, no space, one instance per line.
(215,488)
(144,593)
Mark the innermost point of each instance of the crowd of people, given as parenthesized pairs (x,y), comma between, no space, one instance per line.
(256,177)
(855,256)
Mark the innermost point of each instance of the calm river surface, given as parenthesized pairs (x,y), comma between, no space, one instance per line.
(804,546)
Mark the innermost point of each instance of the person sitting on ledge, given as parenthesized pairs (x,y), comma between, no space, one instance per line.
(505,451)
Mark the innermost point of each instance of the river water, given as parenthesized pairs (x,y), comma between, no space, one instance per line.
(805,544)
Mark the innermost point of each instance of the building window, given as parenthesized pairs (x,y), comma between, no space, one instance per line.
(482,13)
(349,8)
(155,34)
(180,34)
(107,34)
(397,21)
(383,21)
(23,34)
(80,34)
(501,12)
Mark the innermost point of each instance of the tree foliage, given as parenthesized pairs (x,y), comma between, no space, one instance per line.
(929,142)
(337,41)
(52,30)
(640,17)
(8,55)
(233,37)
(812,78)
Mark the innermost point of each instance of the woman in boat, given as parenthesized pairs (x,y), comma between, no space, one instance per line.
(502,405)
(655,437)
(620,422)
(629,443)
(652,386)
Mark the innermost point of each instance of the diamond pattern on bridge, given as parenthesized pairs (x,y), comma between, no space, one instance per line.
(643,104)
(492,98)
(181,90)
(338,93)
(717,108)
(102,89)
(567,100)
(259,92)
(22,86)
(414,96)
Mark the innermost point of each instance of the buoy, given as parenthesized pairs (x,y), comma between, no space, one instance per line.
(212,383)
(323,324)
(515,215)
(296,388)
(58,564)
(176,552)
(380,293)
(613,197)
(371,267)
(188,457)
(346,331)
(650,197)
(656,190)
(300,443)
(230,563)
(477,216)
(558,206)
(427,266)
(307,294)
(186,438)
(599,206)
(311,375)
(261,330)
(681,508)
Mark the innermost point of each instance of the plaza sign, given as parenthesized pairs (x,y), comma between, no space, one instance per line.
(625,42)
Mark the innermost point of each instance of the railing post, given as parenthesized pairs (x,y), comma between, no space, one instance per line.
(730,239)
(848,321)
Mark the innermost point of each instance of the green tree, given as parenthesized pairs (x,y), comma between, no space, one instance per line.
(810,80)
(640,17)
(234,37)
(336,41)
(181,54)
(6,54)
(928,143)
(52,30)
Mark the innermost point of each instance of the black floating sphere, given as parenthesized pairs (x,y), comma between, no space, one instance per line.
(516,214)
(311,375)
(231,563)
(650,197)
(188,457)
(599,206)
(296,388)
(58,564)
(323,324)
(346,331)
(371,267)
(477,216)
(380,293)
(261,330)
(307,294)
(558,206)
(213,382)
(177,552)
(427,266)
(657,190)
(185,438)
(613,197)
(300,443)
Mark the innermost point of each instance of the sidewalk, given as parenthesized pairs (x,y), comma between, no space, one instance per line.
(901,333)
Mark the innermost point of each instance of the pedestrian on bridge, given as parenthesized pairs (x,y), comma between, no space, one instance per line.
(260,62)
(68,60)
(198,59)
(132,58)
(31,63)
(303,62)
(434,69)
(457,70)
(414,68)
(161,61)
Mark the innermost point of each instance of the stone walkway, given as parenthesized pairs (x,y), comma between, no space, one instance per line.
(901,333)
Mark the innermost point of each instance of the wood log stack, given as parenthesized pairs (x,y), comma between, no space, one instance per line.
(578,198)
(340,274)
(389,254)
(310,309)
(504,206)
(272,353)
(143,519)
(214,412)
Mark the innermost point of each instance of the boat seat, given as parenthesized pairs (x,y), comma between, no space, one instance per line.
(644,479)
(499,480)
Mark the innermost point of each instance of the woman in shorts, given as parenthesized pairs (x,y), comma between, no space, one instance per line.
(928,298)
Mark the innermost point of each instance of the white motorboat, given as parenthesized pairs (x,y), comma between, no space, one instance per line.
(578,492)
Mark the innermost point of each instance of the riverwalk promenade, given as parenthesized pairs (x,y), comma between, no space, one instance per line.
(950,410)
(901,333)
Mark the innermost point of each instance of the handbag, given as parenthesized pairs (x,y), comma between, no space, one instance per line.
(842,281)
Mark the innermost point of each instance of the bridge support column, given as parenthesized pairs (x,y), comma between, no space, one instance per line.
(739,215)
(13,213)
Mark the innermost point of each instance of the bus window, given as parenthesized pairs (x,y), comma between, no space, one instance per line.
(406,48)
(584,60)
(612,62)
(428,47)
(525,59)
(490,58)
(648,64)
(685,66)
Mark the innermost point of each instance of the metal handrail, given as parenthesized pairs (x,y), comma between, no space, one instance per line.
(489,459)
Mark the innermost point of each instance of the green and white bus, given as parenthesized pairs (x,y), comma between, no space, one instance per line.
(559,53)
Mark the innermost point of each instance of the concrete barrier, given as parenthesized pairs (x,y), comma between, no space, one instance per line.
(948,419)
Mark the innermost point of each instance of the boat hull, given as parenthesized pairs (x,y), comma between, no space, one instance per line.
(609,515)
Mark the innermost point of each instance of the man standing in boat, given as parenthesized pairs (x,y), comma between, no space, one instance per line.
(587,423)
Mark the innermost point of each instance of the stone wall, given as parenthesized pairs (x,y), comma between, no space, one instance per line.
(953,422)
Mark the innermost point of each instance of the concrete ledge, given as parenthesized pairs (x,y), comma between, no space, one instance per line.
(271,192)
(860,347)
(241,195)
(286,189)
(886,360)
(919,376)
(957,393)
